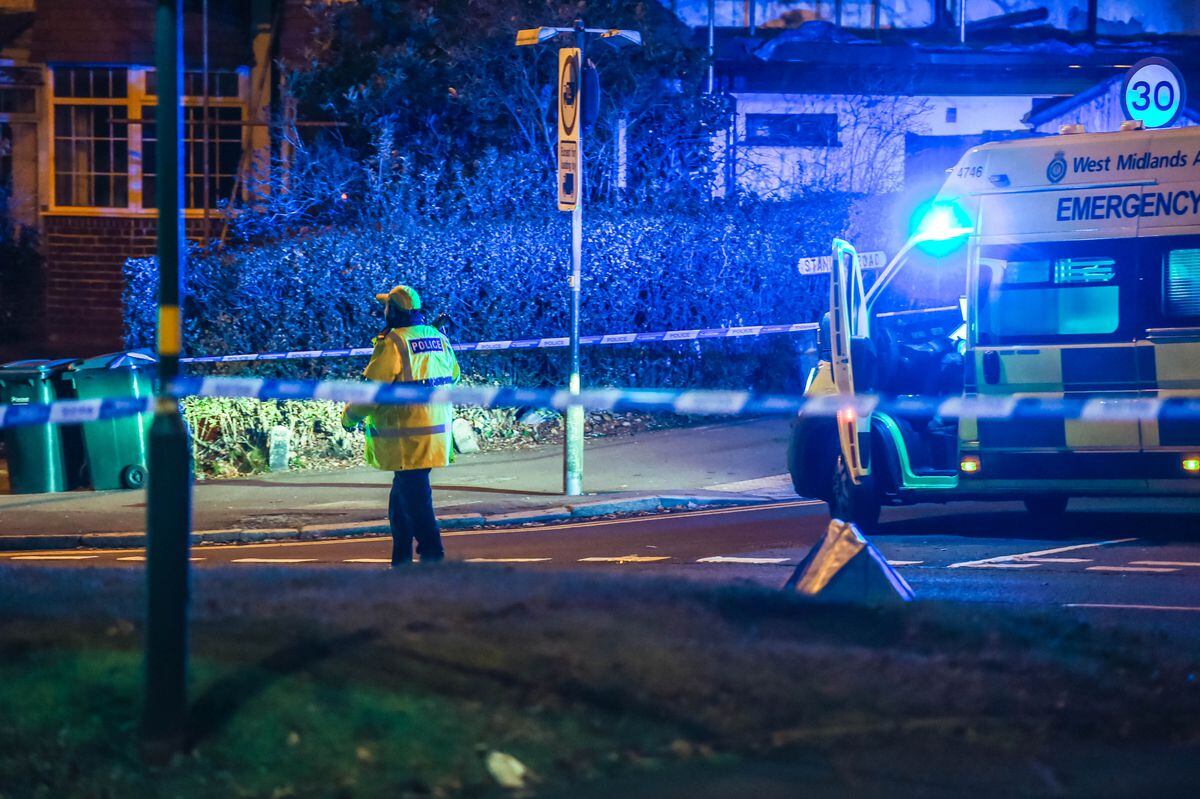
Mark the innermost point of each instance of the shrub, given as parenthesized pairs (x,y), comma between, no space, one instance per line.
(229,436)
(506,278)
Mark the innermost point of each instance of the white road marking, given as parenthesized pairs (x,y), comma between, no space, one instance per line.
(368,560)
(996,565)
(507,560)
(143,557)
(1154,569)
(1059,560)
(1163,563)
(1039,553)
(274,560)
(54,557)
(626,559)
(905,562)
(1184,608)
(732,559)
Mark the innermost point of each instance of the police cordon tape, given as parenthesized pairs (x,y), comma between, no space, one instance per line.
(660,400)
(698,334)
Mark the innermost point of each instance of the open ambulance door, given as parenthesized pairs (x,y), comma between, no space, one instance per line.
(847,321)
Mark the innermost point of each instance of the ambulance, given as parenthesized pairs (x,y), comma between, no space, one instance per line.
(1060,266)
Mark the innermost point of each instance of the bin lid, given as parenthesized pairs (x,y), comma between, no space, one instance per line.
(37,366)
(132,359)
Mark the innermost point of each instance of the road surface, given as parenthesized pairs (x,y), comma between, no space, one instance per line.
(1132,563)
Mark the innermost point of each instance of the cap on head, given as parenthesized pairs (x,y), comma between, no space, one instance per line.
(405,298)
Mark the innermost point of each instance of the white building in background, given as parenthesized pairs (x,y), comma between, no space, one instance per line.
(855,142)
(880,110)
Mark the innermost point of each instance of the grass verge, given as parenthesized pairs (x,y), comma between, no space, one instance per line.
(342,683)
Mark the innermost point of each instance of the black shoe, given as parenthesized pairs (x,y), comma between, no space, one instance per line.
(433,558)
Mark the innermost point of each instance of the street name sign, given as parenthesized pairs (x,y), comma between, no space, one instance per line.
(821,264)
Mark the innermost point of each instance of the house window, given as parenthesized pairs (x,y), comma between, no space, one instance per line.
(88,82)
(793,130)
(224,155)
(221,85)
(104,137)
(91,155)
(951,114)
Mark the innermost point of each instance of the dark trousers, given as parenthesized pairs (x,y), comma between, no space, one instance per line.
(410,513)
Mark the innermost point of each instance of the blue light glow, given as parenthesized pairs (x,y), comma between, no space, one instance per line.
(940,227)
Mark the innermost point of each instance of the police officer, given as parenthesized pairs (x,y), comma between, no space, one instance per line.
(409,439)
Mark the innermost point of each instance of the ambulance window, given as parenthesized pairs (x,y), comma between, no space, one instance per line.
(1043,293)
(924,281)
(1181,284)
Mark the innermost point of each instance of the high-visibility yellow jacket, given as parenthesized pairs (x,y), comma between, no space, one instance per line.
(401,437)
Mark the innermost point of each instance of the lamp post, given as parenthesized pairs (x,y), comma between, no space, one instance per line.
(572,63)
(169,487)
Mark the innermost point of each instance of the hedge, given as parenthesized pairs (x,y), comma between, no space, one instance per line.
(506,279)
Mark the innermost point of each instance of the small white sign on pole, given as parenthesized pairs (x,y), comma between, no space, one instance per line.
(821,264)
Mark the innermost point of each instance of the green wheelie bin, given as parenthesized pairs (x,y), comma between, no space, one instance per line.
(115,449)
(40,455)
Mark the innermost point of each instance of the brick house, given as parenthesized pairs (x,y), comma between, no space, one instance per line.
(77,103)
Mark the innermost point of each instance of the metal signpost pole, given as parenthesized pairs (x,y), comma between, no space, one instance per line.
(168,505)
(574,419)
(571,64)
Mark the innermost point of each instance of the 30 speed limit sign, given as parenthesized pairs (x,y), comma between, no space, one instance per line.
(1153,93)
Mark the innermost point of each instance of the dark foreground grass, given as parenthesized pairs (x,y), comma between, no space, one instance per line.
(345,683)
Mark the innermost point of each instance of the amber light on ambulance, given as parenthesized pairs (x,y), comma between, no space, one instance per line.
(969,464)
(1191,464)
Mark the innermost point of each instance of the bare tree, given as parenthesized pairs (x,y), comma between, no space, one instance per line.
(866,156)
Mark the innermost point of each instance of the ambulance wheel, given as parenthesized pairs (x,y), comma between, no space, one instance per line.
(853,503)
(1051,505)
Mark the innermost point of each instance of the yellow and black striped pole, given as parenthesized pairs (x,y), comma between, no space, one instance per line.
(169,485)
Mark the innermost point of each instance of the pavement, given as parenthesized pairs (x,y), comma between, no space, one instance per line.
(735,462)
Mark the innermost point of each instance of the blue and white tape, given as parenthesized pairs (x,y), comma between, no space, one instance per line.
(698,334)
(73,411)
(693,401)
(699,401)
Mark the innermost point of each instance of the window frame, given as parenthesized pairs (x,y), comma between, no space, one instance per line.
(136,102)
(1126,255)
(121,110)
(777,140)
(1152,255)
(189,176)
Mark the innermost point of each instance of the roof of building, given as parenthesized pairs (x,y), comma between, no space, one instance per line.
(819,57)
(1055,108)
